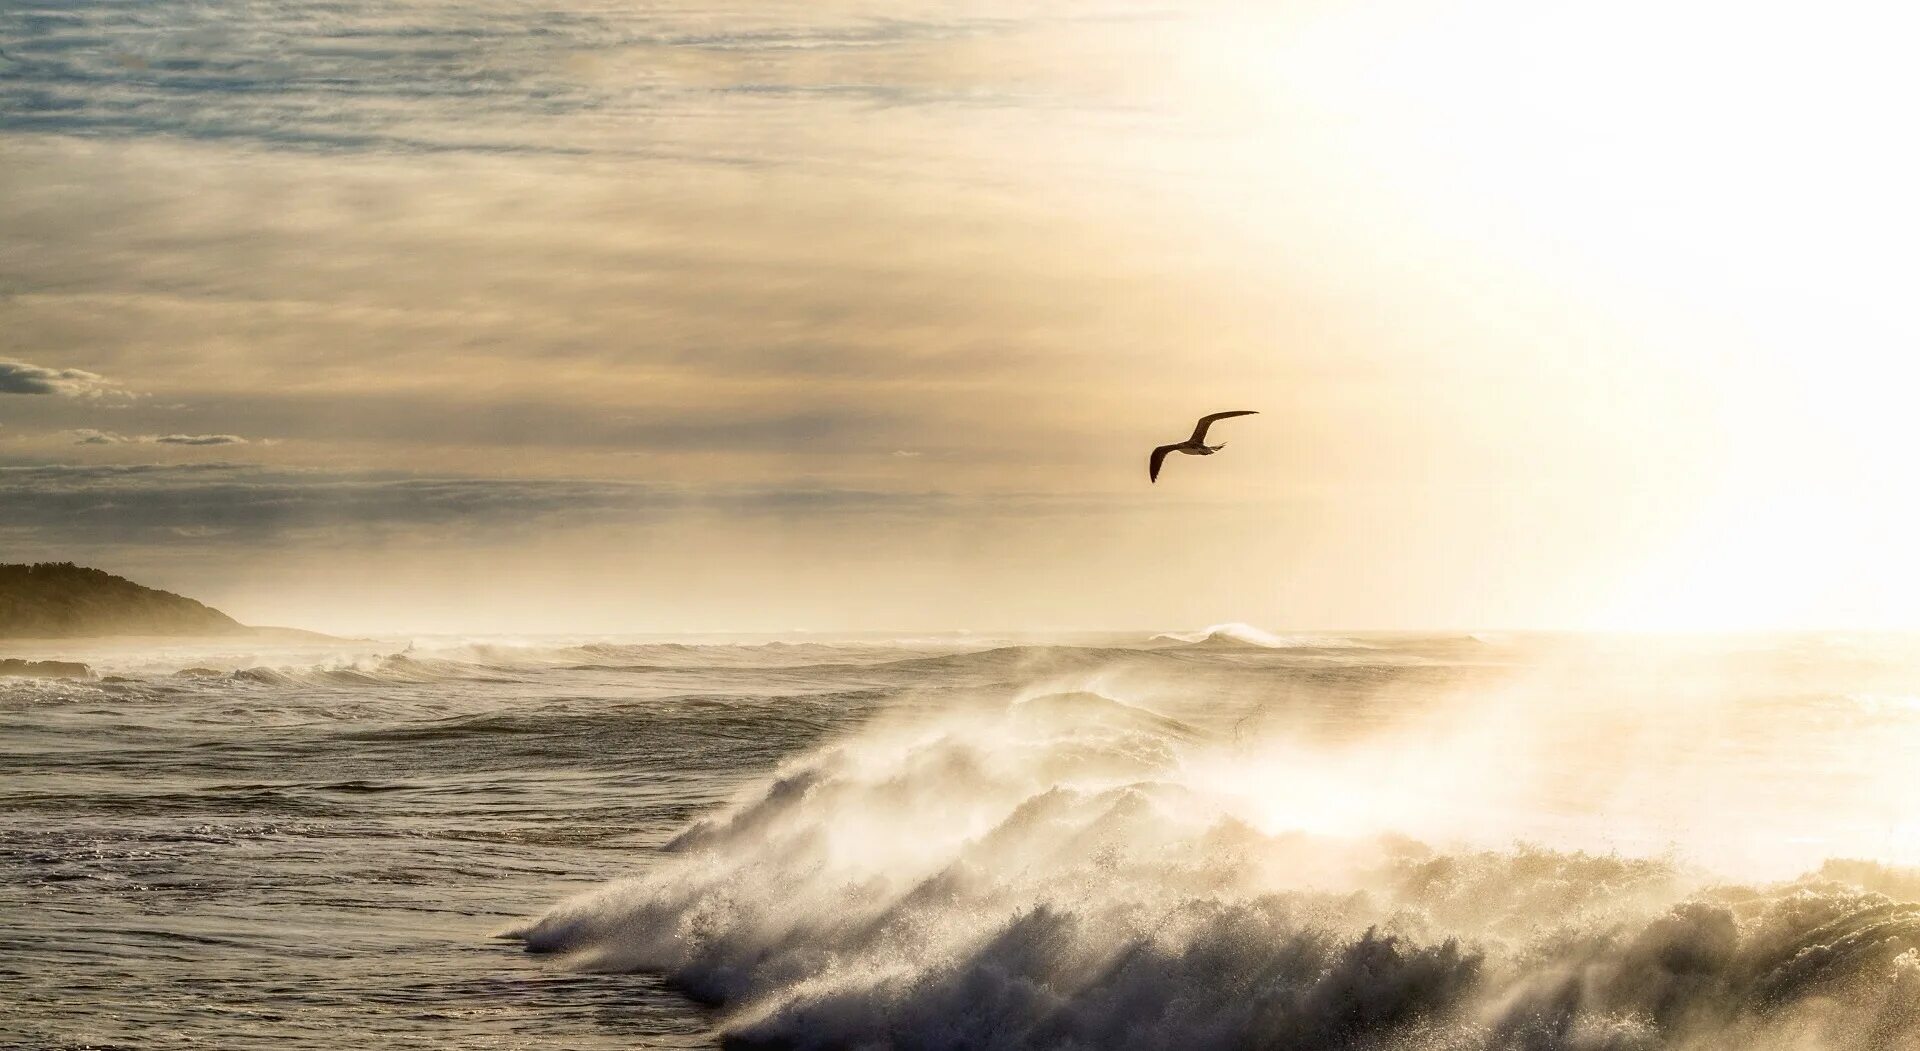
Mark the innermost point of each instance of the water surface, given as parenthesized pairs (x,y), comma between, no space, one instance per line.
(961,841)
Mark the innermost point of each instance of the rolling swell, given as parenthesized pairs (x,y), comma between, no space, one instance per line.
(1053,874)
(1006,663)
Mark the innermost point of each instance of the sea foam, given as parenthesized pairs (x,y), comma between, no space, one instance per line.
(1067,873)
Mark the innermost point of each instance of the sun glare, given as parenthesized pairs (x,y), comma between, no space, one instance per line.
(1725,188)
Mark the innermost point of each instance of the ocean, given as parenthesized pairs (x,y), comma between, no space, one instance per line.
(1218,839)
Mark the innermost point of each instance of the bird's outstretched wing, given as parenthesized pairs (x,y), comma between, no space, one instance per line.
(1153,465)
(1200,429)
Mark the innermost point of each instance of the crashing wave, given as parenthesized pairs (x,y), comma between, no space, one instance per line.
(1053,874)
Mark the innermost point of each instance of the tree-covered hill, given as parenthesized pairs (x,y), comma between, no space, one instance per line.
(60,599)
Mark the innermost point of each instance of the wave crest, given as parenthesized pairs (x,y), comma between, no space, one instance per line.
(1050,875)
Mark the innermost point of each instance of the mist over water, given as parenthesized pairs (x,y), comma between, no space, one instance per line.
(1213,839)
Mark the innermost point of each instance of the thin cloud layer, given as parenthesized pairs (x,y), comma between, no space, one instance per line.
(88,436)
(19,377)
(247,502)
(570,80)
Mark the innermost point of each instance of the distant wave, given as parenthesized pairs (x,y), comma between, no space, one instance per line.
(1052,874)
(1018,660)
(758,654)
(383,670)
(997,663)
(799,665)
(501,662)
(910,663)
(1246,635)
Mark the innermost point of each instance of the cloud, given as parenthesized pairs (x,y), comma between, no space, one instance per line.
(267,73)
(89,436)
(196,439)
(126,503)
(18,377)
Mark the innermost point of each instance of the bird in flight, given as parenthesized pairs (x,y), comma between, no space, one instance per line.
(1194,446)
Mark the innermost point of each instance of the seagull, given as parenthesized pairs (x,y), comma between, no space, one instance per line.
(1194,446)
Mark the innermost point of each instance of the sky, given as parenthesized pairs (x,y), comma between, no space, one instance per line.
(469,315)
